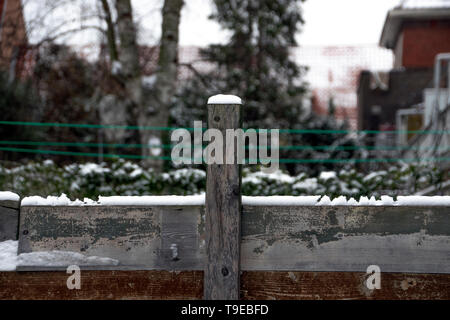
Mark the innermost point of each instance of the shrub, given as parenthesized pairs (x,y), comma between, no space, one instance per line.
(128,179)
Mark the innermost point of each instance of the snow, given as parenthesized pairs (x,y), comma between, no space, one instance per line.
(62,200)
(375,175)
(342,201)
(154,143)
(433,188)
(224,99)
(8,255)
(307,184)
(280,201)
(9,260)
(196,200)
(136,172)
(423,201)
(61,259)
(257,177)
(387,201)
(149,81)
(116,67)
(199,200)
(48,162)
(89,168)
(8,195)
(326,175)
(187,172)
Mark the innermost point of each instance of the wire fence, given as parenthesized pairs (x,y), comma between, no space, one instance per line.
(17,146)
(288,131)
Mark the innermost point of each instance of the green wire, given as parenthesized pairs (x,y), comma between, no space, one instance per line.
(445,159)
(292,131)
(83,144)
(170,146)
(84,154)
(125,156)
(313,131)
(92,126)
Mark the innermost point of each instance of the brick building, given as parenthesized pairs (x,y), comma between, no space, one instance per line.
(13,37)
(333,73)
(416,31)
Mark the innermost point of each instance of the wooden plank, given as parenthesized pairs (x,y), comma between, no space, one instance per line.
(9,223)
(101,285)
(223,213)
(397,239)
(131,235)
(254,285)
(13,204)
(259,285)
(180,239)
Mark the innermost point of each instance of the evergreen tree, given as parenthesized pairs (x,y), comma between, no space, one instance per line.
(256,64)
(18,102)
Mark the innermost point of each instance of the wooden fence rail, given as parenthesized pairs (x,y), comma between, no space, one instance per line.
(274,238)
(287,252)
(229,249)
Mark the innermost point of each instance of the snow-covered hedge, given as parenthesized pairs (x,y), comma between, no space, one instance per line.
(129,179)
(91,180)
(350,183)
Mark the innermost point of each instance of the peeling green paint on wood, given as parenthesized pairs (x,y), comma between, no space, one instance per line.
(398,239)
(131,235)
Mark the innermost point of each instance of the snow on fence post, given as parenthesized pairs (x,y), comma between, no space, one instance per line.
(223,208)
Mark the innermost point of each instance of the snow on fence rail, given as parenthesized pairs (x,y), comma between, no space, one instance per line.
(275,235)
(199,200)
(224,234)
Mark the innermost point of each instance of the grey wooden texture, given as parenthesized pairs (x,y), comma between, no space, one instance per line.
(13,204)
(223,214)
(398,239)
(131,235)
(180,228)
(9,223)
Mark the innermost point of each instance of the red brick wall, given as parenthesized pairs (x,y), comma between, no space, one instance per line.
(422,41)
(13,33)
(1,7)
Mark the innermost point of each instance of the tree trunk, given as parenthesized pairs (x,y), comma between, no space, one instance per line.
(110,31)
(152,103)
(129,51)
(155,112)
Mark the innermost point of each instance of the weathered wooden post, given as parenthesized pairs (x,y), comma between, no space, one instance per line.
(223,208)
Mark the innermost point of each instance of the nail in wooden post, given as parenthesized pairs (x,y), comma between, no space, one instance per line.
(223,208)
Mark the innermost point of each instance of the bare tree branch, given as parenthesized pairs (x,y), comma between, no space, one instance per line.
(67,32)
(110,33)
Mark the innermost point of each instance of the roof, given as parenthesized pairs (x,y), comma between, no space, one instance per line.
(411,10)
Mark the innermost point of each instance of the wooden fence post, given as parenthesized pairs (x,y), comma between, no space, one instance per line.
(223,210)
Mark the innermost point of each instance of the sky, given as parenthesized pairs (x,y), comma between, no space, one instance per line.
(327,22)
(344,22)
